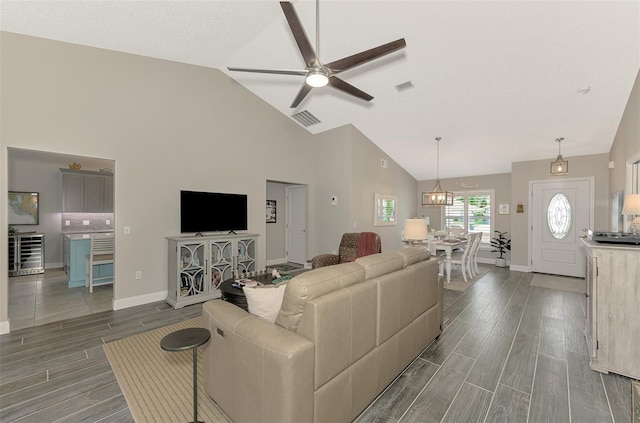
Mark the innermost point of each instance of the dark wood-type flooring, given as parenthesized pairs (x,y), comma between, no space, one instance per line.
(509,353)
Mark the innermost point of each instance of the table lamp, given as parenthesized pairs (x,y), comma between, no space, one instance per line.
(415,230)
(632,207)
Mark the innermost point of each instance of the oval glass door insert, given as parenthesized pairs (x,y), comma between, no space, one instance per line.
(559,216)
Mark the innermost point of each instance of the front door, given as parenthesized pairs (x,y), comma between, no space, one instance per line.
(296,227)
(562,212)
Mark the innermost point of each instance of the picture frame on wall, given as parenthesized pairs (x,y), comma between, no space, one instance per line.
(23,208)
(271,211)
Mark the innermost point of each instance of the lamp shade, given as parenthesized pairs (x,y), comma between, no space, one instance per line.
(415,229)
(631,204)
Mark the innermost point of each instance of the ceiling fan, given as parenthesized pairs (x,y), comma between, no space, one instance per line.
(318,74)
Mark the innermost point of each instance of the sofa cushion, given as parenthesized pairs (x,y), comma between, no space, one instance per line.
(413,255)
(265,301)
(313,284)
(380,264)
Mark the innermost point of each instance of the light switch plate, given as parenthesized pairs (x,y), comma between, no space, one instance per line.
(85,223)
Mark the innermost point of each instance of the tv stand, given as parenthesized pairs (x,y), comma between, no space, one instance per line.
(199,263)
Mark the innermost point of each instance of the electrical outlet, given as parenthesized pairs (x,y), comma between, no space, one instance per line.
(108,222)
(127,230)
(67,223)
(138,274)
(85,223)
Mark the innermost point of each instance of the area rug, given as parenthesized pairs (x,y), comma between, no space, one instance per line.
(563,283)
(457,281)
(157,384)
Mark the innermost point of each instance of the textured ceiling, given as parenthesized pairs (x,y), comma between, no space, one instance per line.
(498,81)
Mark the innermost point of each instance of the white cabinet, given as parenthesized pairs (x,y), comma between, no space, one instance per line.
(612,326)
(84,191)
(198,264)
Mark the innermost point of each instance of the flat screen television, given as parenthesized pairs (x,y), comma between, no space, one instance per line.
(212,212)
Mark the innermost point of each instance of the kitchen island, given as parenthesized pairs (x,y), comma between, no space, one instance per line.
(76,249)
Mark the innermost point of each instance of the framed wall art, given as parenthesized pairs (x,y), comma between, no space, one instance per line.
(23,208)
(271,211)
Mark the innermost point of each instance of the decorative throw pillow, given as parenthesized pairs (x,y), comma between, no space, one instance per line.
(265,301)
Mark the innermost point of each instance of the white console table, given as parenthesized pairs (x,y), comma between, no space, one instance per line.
(613,308)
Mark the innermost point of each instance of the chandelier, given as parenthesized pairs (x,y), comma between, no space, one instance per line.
(437,196)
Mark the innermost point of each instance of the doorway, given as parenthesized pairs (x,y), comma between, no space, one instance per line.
(43,298)
(562,212)
(286,227)
(296,227)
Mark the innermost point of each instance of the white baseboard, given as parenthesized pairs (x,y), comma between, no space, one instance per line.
(139,300)
(518,268)
(486,260)
(53,266)
(4,327)
(276,261)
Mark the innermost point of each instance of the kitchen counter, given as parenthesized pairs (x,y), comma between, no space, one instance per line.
(101,231)
(88,235)
(76,250)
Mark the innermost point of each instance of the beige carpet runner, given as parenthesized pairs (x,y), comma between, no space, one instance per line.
(457,281)
(158,384)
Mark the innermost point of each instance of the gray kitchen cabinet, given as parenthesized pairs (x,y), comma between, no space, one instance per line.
(84,191)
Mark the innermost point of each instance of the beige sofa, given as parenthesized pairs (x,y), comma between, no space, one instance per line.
(342,335)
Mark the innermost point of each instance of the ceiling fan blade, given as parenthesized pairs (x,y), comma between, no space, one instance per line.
(274,71)
(308,54)
(340,84)
(301,95)
(365,56)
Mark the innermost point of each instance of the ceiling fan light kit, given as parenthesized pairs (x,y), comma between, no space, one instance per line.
(559,166)
(437,196)
(316,73)
(317,78)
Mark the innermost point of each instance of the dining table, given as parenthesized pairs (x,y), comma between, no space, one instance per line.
(446,245)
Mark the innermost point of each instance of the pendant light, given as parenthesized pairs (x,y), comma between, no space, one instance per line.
(559,166)
(437,196)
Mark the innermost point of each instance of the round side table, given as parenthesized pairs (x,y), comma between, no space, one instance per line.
(188,339)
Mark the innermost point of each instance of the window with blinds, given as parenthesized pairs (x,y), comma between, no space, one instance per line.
(472,212)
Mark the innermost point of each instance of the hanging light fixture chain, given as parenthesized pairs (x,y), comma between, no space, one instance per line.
(438,158)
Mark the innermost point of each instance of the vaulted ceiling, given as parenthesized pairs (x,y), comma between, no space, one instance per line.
(497,80)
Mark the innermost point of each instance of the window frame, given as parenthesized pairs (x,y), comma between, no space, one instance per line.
(486,240)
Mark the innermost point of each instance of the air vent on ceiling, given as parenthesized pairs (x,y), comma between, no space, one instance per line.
(305,118)
(404,86)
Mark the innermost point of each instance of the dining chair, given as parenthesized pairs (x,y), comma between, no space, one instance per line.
(474,254)
(101,252)
(463,257)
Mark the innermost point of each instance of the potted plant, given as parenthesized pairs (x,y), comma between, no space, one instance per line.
(501,244)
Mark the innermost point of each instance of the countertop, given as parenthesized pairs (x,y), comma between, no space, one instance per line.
(594,244)
(88,235)
(87,231)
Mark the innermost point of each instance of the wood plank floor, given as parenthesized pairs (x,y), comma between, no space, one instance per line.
(509,352)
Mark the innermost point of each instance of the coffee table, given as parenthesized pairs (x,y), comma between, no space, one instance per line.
(236,295)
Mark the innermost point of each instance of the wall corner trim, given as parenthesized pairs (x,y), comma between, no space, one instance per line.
(139,300)
(518,268)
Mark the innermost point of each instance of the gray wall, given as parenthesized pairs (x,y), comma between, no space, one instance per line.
(168,126)
(369,178)
(626,145)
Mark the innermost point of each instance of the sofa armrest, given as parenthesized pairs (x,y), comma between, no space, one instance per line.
(255,370)
(324,260)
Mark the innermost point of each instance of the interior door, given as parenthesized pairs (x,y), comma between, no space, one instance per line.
(296,227)
(561,214)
